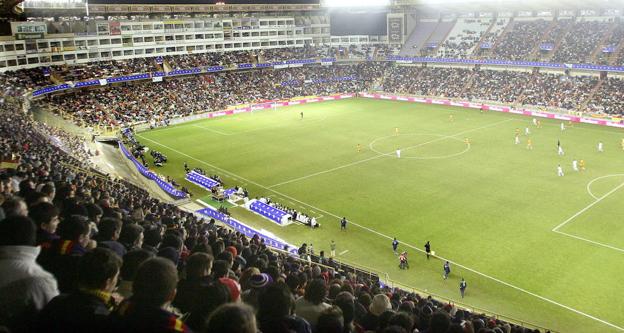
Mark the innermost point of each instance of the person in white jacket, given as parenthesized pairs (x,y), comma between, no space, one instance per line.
(25,287)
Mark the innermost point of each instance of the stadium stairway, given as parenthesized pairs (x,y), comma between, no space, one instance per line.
(422,31)
(605,37)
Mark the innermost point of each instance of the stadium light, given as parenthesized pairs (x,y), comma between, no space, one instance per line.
(356,3)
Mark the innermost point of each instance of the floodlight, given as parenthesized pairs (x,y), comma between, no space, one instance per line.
(356,3)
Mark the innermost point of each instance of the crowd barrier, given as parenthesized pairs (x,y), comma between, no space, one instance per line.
(250,108)
(324,61)
(493,107)
(170,189)
(269,240)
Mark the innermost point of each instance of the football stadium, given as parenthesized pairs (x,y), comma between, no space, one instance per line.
(332,166)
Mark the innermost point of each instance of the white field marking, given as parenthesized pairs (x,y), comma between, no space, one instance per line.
(595,179)
(587,207)
(405,244)
(343,252)
(590,241)
(381,155)
(110,165)
(372,144)
(211,130)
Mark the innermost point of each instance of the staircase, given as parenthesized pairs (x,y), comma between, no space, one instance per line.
(615,55)
(441,38)
(417,38)
(536,50)
(468,84)
(602,42)
(502,36)
(485,34)
(558,42)
(593,92)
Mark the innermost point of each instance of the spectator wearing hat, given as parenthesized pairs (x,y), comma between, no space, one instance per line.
(380,304)
(257,283)
(86,309)
(25,287)
(233,287)
(153,290)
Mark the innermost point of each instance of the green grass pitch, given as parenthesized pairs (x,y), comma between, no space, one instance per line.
(490,207)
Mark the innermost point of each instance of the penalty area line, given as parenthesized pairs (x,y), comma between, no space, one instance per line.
(389,237)
(587,207)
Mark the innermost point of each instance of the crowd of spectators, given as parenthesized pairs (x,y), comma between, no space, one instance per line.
(147,101)
(555,34)
(520,42)
(81,252)
(609,98)
(426,81)
(581,41)
(612,45)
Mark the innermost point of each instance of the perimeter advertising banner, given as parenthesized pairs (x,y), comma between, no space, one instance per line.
(395,28)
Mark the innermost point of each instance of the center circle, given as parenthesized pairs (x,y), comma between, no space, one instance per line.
(399,141)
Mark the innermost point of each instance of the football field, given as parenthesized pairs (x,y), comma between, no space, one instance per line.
(531,245)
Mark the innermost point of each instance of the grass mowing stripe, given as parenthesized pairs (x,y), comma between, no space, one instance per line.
(388,237)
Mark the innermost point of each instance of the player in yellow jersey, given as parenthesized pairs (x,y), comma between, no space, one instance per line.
(622,144)
(569,123)
(467,142)
(529,144)
(396,131)
(359,147)
(582,165)
(517,131)
(539,123)
(451,118)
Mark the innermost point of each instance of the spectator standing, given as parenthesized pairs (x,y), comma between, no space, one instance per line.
(25,288)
